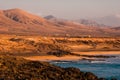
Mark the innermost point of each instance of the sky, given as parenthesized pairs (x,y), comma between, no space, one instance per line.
(68,9)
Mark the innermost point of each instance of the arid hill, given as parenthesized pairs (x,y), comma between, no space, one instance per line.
(110,20)
(24,17)
(90,23)
(17,21)
(83,28)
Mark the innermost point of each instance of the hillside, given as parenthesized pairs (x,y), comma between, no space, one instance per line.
(91,23)
(83,28)
(8,26)
(110,20)
(20,22)
(24,17)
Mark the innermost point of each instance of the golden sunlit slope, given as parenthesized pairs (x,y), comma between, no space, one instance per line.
(17,21)
(76,29)
(24,17)
(8,26)
(22,22)
(29,45)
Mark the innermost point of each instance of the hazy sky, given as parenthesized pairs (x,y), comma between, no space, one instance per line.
(69,9)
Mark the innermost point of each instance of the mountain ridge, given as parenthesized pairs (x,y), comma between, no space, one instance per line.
(17,21)
(110,20)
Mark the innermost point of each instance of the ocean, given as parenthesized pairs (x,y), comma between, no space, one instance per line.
(104,67)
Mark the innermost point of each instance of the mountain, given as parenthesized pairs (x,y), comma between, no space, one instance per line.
(8,25)
(20,21)
(24,17)
(49,17)
(61,22)
(17,21)
(83,27)
(111,20)
(116,28)
(89,23)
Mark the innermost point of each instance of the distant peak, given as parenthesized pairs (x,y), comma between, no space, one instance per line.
(49,17)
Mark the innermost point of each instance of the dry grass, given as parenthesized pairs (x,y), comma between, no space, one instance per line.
(27,45)
(91,44)
(37,45)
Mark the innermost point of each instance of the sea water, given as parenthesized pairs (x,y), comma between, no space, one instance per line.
(107,68)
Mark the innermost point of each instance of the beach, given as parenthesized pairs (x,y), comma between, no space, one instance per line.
(71,57)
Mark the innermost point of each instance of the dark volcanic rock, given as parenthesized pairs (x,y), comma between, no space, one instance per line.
(59,53)
(12,68)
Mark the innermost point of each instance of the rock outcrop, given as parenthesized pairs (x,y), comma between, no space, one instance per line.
(12,68)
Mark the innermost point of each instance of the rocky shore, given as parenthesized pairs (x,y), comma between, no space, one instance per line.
(16,68)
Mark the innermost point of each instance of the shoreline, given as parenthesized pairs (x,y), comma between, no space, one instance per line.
(71,57)
(53,58)
(99,53)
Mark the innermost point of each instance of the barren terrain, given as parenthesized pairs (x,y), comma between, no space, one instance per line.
(57,48)
(20,22)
